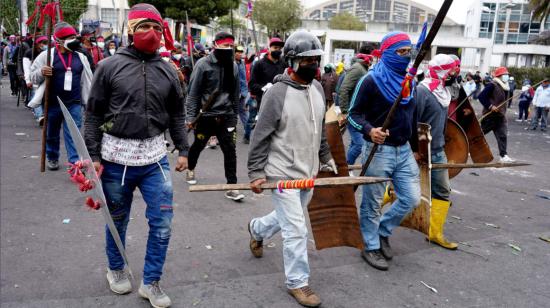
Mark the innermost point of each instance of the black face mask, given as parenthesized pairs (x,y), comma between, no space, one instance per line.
(276,54)
(307,72)
(224,55)
(450,81)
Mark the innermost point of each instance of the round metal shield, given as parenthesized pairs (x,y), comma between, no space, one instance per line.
(456,146)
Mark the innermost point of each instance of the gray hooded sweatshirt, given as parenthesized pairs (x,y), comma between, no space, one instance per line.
(289,138)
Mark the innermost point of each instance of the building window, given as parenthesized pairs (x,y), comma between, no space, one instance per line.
(329,11)
(400,12)
(382,5)
(109,15)
(382,16)
(363,8)
(346,6)
(315,14)
(417,15)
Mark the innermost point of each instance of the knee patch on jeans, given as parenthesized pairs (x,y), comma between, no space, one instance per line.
(116,208)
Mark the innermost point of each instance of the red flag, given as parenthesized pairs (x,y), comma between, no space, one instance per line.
(37,9)
(50,10)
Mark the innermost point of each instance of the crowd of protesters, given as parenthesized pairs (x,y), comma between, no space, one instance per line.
(127,97)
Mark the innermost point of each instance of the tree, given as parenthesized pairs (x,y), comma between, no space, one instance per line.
(199,10)
(346,21)
(72,10)
(224,22)
(541,9)
(278,15)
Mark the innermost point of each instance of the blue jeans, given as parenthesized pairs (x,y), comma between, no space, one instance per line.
(441,187)
(356,144)
(243,115)
(155,185)
(539,113)
(397,163)
(252,112)
(55,119)
(289,218)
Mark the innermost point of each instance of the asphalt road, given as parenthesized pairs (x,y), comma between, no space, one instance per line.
(46,263)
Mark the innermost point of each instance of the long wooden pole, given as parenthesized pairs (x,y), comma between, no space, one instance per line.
(323,182)
(463,166)
(506,101)
(426,46)
(49,23)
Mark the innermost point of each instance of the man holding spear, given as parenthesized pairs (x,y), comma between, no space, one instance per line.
(394,157)
(71,79)
(287,144)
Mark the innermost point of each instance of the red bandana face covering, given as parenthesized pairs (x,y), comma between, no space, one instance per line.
(147,42)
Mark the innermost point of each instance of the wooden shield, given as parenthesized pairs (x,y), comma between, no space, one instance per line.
(479,149)
(332,211)
(419,218)
(456,146)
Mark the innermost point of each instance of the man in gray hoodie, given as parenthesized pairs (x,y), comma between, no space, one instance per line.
(288,143)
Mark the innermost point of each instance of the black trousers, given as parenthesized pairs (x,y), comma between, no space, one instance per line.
(12,72)
(496,122)
(215,126)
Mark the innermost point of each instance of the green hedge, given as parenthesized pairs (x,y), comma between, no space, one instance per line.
(532,73)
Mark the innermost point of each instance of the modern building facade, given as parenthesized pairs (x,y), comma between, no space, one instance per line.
(511,28)
(408,14)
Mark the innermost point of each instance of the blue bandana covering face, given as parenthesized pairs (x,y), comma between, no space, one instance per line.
(390,71)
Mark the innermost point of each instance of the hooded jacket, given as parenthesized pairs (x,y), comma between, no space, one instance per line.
(134,98)
(289,138)
(206,78)
(351,79)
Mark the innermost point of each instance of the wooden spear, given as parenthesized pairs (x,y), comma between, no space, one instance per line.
(421,54)
(506,101)
(48,27)
(461,166)
(322,182)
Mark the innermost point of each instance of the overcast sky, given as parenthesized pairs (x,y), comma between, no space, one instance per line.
(457,11)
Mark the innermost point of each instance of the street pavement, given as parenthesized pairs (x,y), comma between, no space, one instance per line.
(47,263)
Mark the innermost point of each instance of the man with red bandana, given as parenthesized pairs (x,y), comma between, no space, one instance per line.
(373,97)
(215,80)
(136,97)
(71,77)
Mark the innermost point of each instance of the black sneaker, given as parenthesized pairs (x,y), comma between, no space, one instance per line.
(53,165)
(246,140)
(385,248)
(375,259)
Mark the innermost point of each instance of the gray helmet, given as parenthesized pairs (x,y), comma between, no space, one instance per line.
(302,44)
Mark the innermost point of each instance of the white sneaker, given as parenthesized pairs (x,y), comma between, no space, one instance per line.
(506,159)
(154,294)
(119,281)
(234,195)
(351,173)
(190,178)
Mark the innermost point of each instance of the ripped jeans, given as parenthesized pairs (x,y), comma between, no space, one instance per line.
(155,185)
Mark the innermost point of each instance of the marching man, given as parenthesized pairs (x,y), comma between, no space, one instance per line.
(135,98)
(432,101)
(372,100)
(288,143)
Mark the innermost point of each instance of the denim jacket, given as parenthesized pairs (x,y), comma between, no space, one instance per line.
(242,79)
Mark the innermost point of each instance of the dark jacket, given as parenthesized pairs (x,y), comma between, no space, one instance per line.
(329,81)
(206,80)
(368,109)
(493,94)
(351,79)
(263,73)
(135,98)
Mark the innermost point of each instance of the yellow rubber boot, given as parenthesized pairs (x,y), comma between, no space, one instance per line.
(438,216)
(389,195)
